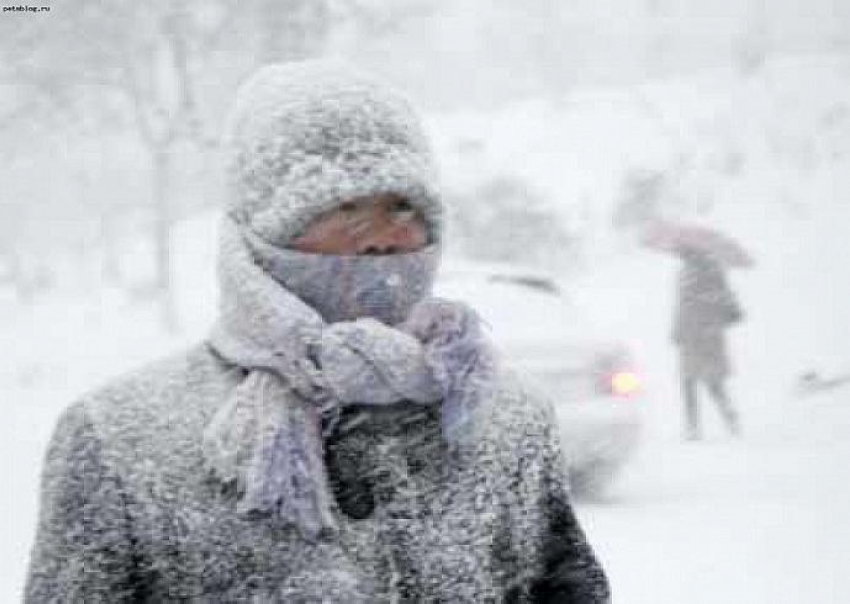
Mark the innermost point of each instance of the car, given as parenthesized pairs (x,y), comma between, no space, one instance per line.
(590,378)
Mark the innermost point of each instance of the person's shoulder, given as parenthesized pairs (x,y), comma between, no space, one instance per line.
(520,404)
(151,379)
(519,426)
(143,395)
(149,412)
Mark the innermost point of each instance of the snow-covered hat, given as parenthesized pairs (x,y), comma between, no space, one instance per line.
(304,137)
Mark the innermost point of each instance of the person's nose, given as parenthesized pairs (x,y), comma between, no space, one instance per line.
(392,238)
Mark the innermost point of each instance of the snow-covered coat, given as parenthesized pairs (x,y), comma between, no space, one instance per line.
(130,512)
(706,306)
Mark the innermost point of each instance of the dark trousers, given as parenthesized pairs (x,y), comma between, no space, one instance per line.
(717,389)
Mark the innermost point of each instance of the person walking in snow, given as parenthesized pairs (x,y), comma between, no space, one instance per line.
(341,436)
(705,308)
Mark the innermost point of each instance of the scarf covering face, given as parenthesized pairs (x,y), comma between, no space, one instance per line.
(314,333)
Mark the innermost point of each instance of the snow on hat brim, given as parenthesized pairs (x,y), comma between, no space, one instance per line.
(306,137)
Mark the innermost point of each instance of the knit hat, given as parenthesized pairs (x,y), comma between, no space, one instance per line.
(305,137)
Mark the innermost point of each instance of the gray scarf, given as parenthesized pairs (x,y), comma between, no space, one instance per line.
(316,333)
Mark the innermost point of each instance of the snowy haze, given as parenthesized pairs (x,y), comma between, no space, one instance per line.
(640,90)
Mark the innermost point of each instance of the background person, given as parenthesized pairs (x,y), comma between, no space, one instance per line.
(705,308)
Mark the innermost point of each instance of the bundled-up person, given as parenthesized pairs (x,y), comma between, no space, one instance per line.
(341,436)
(705,308)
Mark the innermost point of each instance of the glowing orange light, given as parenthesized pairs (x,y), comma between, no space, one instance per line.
(624,383)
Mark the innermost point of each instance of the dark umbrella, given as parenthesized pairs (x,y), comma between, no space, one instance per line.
(676,237)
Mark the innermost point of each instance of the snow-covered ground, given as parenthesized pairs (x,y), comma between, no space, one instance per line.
(759,520)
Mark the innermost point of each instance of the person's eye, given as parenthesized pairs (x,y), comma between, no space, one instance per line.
(403,211)
(402,206)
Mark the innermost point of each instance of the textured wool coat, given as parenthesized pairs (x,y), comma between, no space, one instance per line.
(128,513)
